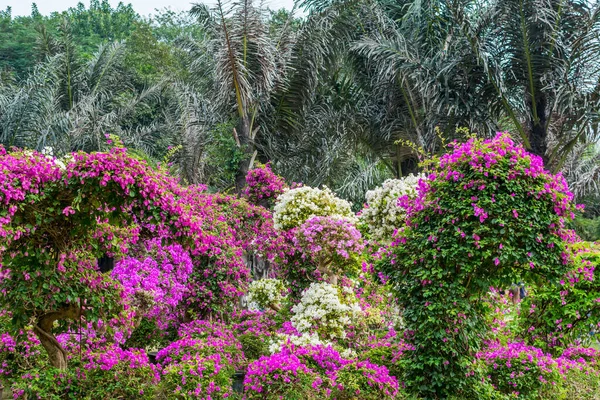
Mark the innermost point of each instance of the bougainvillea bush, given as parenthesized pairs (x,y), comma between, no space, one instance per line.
(332,244)
(555,318)
(435,313)
(60,216)
(314,372)
(161,274)
(487,215)
(382,215)
(263,185)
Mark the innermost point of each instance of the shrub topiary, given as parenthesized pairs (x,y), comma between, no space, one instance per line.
(488,215)
(332,244)
(282,376)
(197,377)
(363,380)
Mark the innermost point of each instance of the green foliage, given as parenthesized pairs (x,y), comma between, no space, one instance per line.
(577,385)
(587,228)
(484,219)
(253,346)
(559,316)
(356,381)
(147,57)
(384,355)
(18,37)
(147,335)
(25,40)
(50,383)
(223,156)
(124,379)
(181,381)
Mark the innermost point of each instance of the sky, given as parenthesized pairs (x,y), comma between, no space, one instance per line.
(143,7)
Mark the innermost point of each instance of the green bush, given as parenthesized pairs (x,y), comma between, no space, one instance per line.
(488,215)
(197,378)
(579,385)
(253,346)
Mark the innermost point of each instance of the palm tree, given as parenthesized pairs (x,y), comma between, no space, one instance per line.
(71,104)
(542,60)
(239,64)
(528,66)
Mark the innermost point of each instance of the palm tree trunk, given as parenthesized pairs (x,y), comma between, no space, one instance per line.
(243,135)
(538,133)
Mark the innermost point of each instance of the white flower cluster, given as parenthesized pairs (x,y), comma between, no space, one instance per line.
(295,206)
(306,339)
(382,214)
(48,152)
(322,309)
(264,293)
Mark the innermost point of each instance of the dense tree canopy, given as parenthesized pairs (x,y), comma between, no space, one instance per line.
(346,95)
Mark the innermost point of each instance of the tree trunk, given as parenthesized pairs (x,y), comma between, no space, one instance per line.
(43,330)
(56,354)
(538,134)
(259,267)
(245,143)
(409,166)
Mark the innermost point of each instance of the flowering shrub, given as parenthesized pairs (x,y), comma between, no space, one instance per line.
(388,351)
(260,323)
(19,352)
(203,339)
(365,381)
(582,355)
(111,373)
(382,215)
(265,293)
(117,373)
(317,371)
(522,370)
(331,243)
(323,310)
(48,384)
(281,376)
(162,272)
(488,215)
(99,204)
(263,185)
(555,317)
(295,206)
(197,377)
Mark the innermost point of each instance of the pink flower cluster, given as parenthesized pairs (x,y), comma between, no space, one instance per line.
(315,368)
(482,157)
(328,239)
(258,323)
(162,272)
(111,356)
(263,185)
(516,368)
(202,339)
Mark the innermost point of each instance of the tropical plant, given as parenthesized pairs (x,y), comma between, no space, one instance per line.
(524,65)
(70,104)
(240,63)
